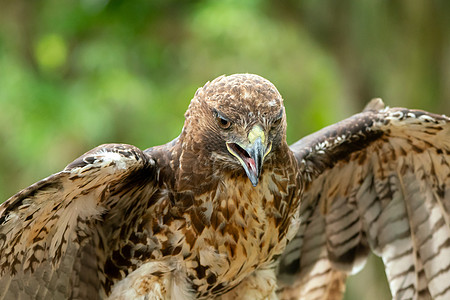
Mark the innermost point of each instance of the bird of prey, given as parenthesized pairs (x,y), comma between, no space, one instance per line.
(228,210)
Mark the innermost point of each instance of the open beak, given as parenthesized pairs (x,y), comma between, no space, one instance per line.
(251,156)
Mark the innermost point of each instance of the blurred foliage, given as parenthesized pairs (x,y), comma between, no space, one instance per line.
(78,73)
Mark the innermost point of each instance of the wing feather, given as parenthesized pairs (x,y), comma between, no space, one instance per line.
(378,181)
(51,232)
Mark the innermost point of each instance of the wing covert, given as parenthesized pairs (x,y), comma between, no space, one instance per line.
(53,233)
(380,181)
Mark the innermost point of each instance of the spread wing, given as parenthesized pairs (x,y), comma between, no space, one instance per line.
(54,233)
(378,181)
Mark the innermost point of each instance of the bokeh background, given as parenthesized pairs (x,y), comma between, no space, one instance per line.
(78,73)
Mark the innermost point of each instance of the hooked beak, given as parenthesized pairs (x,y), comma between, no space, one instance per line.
(252,155)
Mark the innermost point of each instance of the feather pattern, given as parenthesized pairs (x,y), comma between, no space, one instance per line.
(378,181)
(177,221)
(210,215)
(48,237)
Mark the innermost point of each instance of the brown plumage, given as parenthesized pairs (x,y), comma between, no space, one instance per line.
(380,181)
(209,214)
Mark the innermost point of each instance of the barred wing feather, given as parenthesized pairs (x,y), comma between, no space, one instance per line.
(54,233)
(377,181)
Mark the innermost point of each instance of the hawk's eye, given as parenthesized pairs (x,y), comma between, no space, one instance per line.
(223,123)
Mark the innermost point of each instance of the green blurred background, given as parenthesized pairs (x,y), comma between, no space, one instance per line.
(75,74)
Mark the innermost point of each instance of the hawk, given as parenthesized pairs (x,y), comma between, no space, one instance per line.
(228,210)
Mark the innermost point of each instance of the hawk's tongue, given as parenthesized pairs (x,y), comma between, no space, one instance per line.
(251,164)
(248,158)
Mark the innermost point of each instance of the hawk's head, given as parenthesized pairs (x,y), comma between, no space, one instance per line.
(238,121)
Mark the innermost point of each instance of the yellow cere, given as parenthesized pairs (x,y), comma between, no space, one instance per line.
(255,133)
